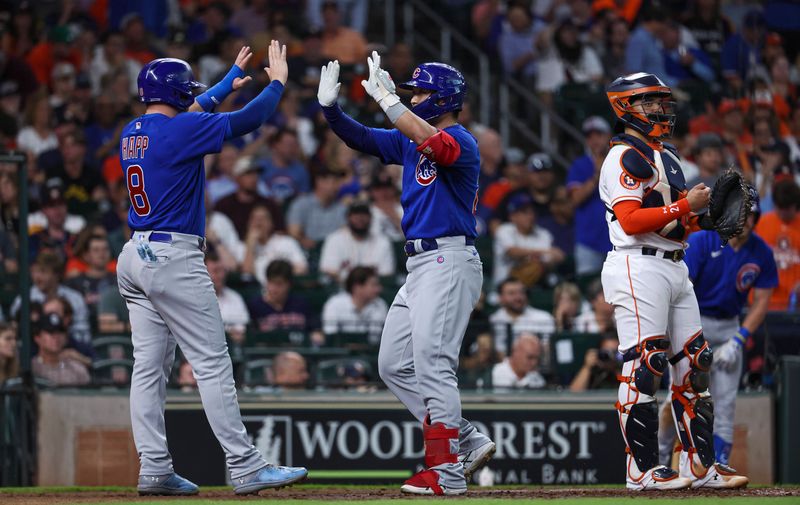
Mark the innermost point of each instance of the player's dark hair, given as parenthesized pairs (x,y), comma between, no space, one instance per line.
(506,282)
(786,194)
(279,269)
(359,276)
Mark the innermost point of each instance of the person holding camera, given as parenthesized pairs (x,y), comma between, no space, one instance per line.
(600,367)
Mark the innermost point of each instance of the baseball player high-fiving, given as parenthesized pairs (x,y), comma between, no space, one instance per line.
(161,273)
(650,215)
(426,322)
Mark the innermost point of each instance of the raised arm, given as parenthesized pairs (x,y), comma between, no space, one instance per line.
(233,80)
(354,134)
(380,86)
(260,108)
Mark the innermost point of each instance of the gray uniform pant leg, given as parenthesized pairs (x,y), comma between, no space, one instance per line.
(153,344)
(396,368)
(723,384)
(180,290)
(442,288)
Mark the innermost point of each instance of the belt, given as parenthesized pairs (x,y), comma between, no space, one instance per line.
(421,245)
(173,238)
(676,255)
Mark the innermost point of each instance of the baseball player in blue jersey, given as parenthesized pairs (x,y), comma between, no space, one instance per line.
(161,273)
(723,278)
(425,326)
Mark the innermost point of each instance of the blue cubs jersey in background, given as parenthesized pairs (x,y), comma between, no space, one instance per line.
(162,160)
(437,201)
(723,277)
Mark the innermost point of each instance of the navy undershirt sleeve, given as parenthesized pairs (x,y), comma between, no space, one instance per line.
(254,114)
(354,134)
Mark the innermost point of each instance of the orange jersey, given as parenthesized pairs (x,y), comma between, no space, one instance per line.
(785,242)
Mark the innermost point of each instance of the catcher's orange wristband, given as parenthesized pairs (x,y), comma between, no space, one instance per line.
(634,219)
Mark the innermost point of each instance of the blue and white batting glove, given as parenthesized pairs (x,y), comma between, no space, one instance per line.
(726,355)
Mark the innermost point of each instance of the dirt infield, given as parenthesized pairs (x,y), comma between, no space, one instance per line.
(375,493)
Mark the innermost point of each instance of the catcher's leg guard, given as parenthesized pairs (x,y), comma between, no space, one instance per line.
(638,416)
(693,411)
(692,407)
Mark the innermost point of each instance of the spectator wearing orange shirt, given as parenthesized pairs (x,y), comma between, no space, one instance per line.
(339,42)
(780,229)
(44,55)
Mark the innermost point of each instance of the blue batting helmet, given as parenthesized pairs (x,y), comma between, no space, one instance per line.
(169,81)
(447,84)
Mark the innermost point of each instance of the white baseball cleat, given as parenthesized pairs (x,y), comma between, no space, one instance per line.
(659,478)
(476,459)
(717,476)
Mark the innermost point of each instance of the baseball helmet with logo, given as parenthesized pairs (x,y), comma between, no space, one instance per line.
(448,86)
(629,97)
(169,81)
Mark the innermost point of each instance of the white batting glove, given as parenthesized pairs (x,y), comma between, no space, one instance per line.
(726,355)
(329,84)
(380,85)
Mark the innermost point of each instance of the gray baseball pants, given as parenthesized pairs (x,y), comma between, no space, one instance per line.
(171,300)
(422,337)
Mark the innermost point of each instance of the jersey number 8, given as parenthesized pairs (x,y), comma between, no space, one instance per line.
(141,205)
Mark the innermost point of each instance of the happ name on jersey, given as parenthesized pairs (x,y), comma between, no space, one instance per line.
(134,146)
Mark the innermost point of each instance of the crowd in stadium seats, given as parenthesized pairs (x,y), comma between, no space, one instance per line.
(303,234)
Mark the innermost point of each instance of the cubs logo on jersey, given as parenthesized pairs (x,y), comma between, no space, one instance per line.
(425,172)
(747,275)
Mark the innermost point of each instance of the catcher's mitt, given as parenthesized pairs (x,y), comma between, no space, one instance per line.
(729,205)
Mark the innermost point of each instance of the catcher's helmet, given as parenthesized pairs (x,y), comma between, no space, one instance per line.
(447,84)
(642,87)
(169,81)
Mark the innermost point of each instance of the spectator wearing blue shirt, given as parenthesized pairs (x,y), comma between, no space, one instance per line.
(283,173)
(742,51)
(518,41)
(591,230)
(644,46)
(681,62)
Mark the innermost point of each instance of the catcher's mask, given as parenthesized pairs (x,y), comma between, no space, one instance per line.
(643,102)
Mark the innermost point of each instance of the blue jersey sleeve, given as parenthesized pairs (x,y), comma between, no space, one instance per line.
(697,253)
(768,278)
(194,134)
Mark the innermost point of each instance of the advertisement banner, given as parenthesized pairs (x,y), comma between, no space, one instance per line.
(382,443)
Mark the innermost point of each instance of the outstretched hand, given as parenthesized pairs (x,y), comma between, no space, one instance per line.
(380,85)
(278,70)
(329,84)
(242,59)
